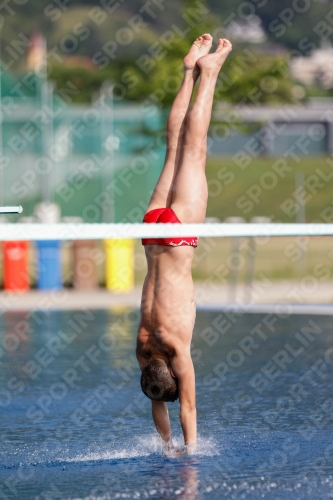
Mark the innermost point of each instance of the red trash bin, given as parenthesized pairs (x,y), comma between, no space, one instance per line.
(15,266)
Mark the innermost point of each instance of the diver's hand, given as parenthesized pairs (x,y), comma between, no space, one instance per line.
(171,451)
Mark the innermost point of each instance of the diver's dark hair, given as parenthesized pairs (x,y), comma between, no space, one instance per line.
(157,382)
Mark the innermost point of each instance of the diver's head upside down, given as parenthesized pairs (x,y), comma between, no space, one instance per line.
(157,383)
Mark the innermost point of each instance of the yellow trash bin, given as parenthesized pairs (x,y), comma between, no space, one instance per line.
(119,264)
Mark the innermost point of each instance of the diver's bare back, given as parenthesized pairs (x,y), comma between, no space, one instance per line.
(168,303)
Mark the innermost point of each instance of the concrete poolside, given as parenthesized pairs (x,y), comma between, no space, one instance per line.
(208,294)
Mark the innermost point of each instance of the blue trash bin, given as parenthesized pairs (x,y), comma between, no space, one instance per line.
(49,275)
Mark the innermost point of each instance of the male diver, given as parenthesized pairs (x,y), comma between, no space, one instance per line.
(168,302)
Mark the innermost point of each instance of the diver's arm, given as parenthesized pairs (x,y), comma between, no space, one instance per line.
(182,367)
(161,420)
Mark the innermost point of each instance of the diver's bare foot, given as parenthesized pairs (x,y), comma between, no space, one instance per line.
(213,62)
(200,48)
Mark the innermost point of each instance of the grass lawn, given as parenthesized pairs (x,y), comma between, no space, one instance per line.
(262,187)
(276,258)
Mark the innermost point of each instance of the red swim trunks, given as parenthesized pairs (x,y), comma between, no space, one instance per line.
(167,215)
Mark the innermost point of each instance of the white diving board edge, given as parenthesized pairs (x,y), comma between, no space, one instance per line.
(102,231)
(14,209)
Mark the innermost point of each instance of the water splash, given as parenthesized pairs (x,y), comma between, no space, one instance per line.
(140,447)
(143,446)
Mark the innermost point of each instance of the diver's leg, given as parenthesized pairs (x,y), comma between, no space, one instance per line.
(190,186)
(176,123)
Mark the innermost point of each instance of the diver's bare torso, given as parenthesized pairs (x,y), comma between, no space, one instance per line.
(168,302)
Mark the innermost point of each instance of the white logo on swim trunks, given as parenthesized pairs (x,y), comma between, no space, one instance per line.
(192,243)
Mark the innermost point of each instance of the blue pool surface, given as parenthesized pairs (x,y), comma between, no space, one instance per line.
(75,425)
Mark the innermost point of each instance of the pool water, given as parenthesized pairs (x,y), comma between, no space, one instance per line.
(75,425)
